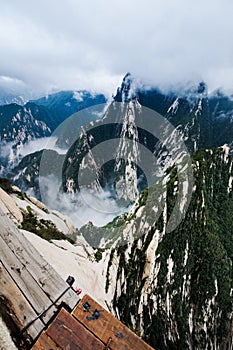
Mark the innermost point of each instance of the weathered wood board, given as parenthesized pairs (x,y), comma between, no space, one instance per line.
(108,328)
(45,343)
(68,333)
(48,279)
(23,280)
(28,283)
(21,311)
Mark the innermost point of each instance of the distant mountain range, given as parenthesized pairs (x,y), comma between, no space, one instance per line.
(64,103)
(19,124)
(51,110)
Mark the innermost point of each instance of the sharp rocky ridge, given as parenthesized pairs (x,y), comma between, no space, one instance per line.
(195,116)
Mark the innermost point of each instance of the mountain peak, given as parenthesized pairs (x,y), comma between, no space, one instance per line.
(202,88)
(127,91)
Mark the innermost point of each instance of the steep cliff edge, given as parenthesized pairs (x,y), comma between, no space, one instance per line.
(175,288)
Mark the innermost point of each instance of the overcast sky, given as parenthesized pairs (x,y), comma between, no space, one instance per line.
(91,44)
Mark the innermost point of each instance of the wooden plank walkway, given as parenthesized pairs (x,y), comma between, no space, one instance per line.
(80,331)
(48,279)
(107,328)
(21,311)
(29,286)
(23,280)
(67,333)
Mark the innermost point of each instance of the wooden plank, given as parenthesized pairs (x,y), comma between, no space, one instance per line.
(45,276)
(107,327)
(45,343)
(20,311)
(68,333)
(24,281)
(70,298)
(48,279)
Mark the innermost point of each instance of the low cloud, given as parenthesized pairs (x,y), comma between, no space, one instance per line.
(81,207)
(11,155)
(41,144)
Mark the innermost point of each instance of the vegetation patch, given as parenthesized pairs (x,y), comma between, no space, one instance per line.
(6,185)
(98,254)
(42,228)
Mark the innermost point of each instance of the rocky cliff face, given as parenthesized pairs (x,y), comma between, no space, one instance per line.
(175,288)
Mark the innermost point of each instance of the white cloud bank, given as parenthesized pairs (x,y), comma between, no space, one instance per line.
(81,207)
(90,44)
